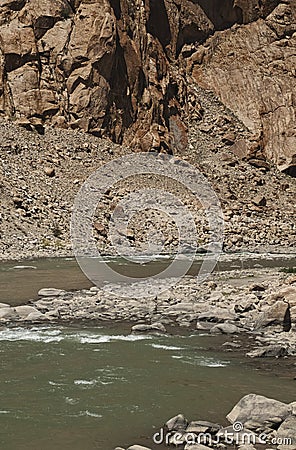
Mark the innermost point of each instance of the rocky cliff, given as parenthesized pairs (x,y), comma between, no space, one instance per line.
(127,69)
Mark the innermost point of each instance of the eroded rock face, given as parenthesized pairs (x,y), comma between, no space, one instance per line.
(102,66)
(251,68)
(123,68)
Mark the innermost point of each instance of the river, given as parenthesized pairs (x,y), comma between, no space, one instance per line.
(90,387)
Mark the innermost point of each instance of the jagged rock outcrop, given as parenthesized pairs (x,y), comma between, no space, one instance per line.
(251,69)
(103,66)
(123,68)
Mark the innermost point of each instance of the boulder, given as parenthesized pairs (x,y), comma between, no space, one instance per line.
(259,200)
(287,433)
(202,426)
(273,315)
(49,171)
(269,351)
(24,310)
(149,328)
(217,315)
(35,317)
(177,423)
(263,410)
(288,294)
(8,313)
(225,328)
(246,305)
(50,292)
(204,325)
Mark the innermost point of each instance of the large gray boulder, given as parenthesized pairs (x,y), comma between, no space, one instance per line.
(273,315)
(202,426)
(156,327)
(8,313)
(50,292)
(217,315)
(269,351)
(177,423)
(35,316)
(24,310)
(4,305)
(225,328)
(261,410)
(287,434)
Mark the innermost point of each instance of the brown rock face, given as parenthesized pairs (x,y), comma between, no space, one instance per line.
(99,65)
(123,68)
(251,68)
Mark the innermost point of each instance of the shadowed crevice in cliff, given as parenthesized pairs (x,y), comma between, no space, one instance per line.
(116,8)
(42,25)
(14,61)
(189,35)
(225,13)
(291,171)
(221,13)
(17,5)
(119,115)
(158,23)
(267,6)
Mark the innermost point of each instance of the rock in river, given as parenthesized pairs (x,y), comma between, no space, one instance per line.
(177,423)
(259,409)
(50,292)
(225,328)
(147,328)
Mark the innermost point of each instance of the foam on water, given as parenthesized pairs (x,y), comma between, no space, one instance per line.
(85,382)
(93,339)
(201,361)
(90,414)
(86,413)
(51,335)
(30,334)
(54,383)
(166,347)
(71,401)
(54,335)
